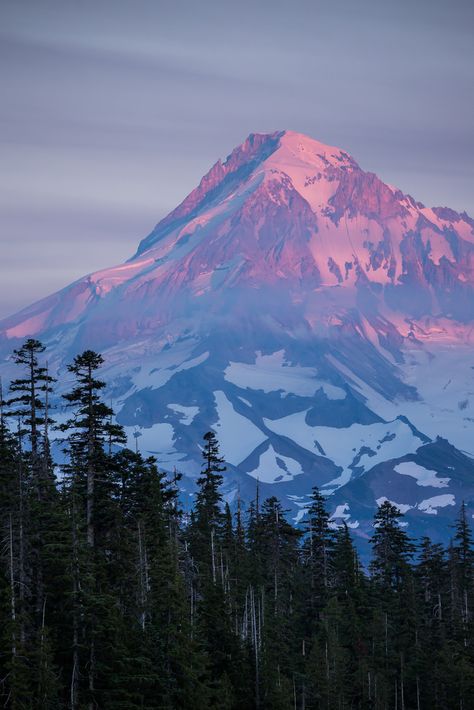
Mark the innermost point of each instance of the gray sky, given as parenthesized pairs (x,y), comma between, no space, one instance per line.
(112,110)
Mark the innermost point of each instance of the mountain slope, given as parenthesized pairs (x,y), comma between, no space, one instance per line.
(319,319)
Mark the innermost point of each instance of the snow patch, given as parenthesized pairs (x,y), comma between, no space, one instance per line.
(430,505)
(424,476)
(271,373)
(341,514)
(170,362)
(187,413)
(273,467)
(359,445)
(300,515)
(238,437)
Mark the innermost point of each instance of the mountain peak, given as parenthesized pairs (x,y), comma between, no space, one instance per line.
(308,149)
(318,319)
(285,152)
(283,211)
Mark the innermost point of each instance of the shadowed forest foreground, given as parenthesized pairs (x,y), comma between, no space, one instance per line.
(112,597)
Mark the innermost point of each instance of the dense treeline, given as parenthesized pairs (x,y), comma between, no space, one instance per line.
(111,597)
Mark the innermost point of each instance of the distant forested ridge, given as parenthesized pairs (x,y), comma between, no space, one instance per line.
(113,597)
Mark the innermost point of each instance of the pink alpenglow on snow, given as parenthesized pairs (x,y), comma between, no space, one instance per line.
(286,211)
(320,320)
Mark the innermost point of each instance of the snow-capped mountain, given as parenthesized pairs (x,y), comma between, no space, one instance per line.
(320,320)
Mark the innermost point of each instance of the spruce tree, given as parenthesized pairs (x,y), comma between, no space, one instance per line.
(29,392)
(93,509)
(395,602)
(432,578)
(392,548)
(279,549)
(318,544)
(31,518)
(464,551)
(207,536)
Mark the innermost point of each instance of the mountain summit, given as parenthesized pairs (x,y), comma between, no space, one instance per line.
(317,318)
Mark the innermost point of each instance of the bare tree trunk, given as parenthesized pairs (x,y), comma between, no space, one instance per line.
(191,611)
(327,662)
(90,486)
(325,566)
(256,645)
(42,661)
(12,589)
(213,558)
(91,674)
(222,571)
(144,582)
(466,610)
(275,590)
(90,469)
(402,689)
(90,504)
(21,539)
(303,685)
(74,689)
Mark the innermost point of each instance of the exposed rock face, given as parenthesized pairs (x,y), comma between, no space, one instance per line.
(319,319)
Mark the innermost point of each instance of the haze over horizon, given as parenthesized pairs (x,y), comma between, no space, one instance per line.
(113,113)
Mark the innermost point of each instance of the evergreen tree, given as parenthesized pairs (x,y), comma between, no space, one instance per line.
(93,509)
(432,578)
(394,599)
(317,548)
(464,551)
(279,549)
(89,429)
(392,549)
(211,612)
(31,508)
(15,685)
(29,392)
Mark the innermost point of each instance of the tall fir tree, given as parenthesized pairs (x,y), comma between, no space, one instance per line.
(90,433)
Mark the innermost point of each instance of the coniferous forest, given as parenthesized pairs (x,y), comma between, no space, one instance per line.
(112,596)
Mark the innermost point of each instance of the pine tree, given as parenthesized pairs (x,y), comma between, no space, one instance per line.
(432,578)
(279,542)
(392,549)
(93,508)
(15,685)
(350,590)
(317,549)
(88,431)
(461,581)
(208,537)
(395,600)
(207,518)
(464,551)
(29,393)
(30,516)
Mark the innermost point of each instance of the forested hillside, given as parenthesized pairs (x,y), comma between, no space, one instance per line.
(112,596)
